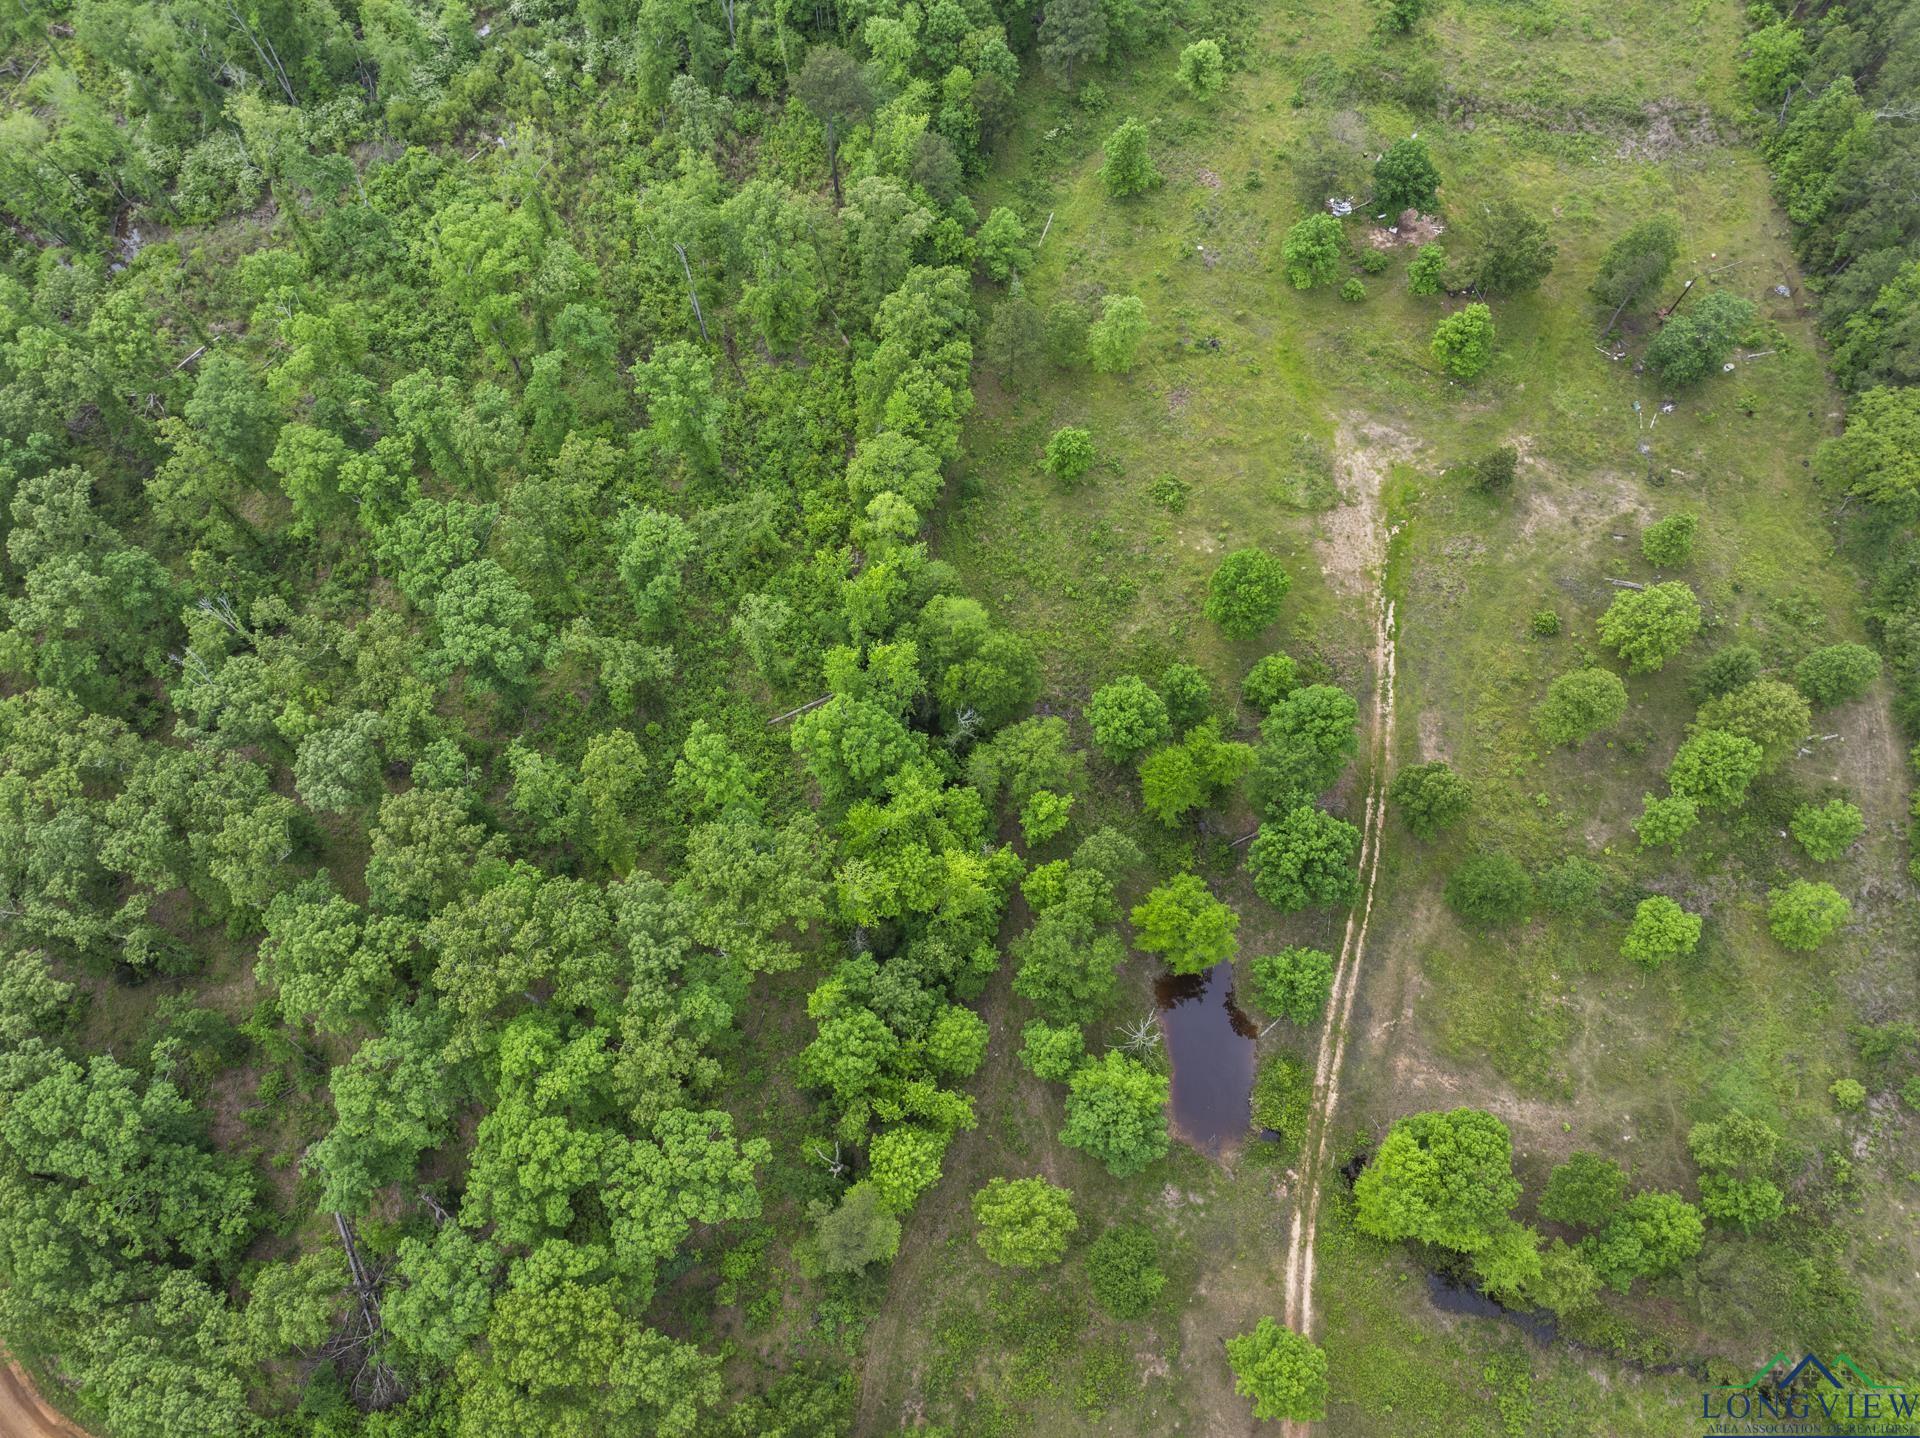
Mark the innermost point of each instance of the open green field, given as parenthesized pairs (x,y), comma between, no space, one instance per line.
(1309,426)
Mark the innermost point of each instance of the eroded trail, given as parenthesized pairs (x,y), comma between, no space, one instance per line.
(1333,1038)
(24,1413)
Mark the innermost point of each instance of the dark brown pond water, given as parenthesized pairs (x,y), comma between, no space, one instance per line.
(1210,1045)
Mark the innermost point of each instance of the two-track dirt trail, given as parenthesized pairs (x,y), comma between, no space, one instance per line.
(24,1413)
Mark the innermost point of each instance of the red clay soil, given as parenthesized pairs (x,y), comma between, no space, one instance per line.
(24,1414)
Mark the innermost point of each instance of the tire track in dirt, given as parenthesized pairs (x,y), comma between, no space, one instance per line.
(24,1413)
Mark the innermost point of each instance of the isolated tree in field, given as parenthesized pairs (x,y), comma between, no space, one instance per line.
(1430,797)
(1024,1222)
(1052,1051)
(857,1231)
(1116,1111)
(1770,713)
(1735,1156)
(1312,251)
(1072,33)
(1579,705)
(1404,178)
(1653,1233)
(1695,344)
(1182,921)
(1828,830)
(1440,1178)
(1668,543)
(832,85)
(1426,272)
(1127,719)
(1490,889)
(1837,674)
(1713,769)
(1516,250)
(1878,458)
(1647,627)
(1129,169)
(1585,1190)
(1123,1267)
(1113,340)
(1805,914)
(1306,857)
(1069,454)
(1637,263)
(1272,678)
(1660,930)
(1203,69)
(1294,983)
(1494,471)
(1463,342)
(1246,591)
(1665,820)
(1283,1373)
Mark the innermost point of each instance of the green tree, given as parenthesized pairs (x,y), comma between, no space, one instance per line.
(1305,745)
(904,1163)
(1653,1233)
(1202,69)
(1003,244)
(338,768)
(1116,1112)
(1188,694)
(1284,1373)
(1490,889)
(1272,678)
(675,383)
(1440,1178)
(1516,250)
(1430,797)
(1713,769)
(1072,33)
(1066,964)
(1182,777)
(1463,342)
(957,1041)
(1123,1266)
(857,1231)
(1770,713)
(1127,719)
(1585,1190)
(1647,627)
(1723,671)
(1050,1051)
(1579,705)
(1024,1222)
(1306,857)
(1113,340)
(832,85)
(1668,543)
(1294,983)
(1184,922)
(1427,270)
(1313,250)
(1826,831)
(1878,457)
(1069,454)
(1246,591)
(1837,674)
(1665,820)
(1660,930)
(1695,344)
(1735,1154)
(1637,263)
(1129,169)
(1805,914)
(1404,178)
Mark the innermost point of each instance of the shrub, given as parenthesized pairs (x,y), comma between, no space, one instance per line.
(1463,342)
(1065,335)
(1283,1097)
(1123,1267)
(1129,169)
(1427,270)
(1003,244)
(1294,983)
(1805,914)
(1494,471)
(1051,1051)
(1127,719)
(1661,930)
(1724,671)
(1668,543)
(1647,627)
(1713,769)
(1283,1373)
(1024,1222)
(1375,262)
(1584,1191)
(1429,797)
(1353,292)
(1838,673)
(1312,251)
(1828,830)
(1849,1095)
(1693,346)
(1271,680)
(1203,69)
(1490,889)
(1665,821)
(1544,624)
(1573,886)
(1770,713)
(1069,454)
(1578,705)
(1246,591)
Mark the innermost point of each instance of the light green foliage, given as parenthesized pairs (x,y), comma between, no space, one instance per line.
(1127,718)
(1282,1098)
(1585,1190)
(1272,678)
(1129,169)
(1441,1178)
(1713,768)
(1305,857)
(1044,815)
(1024,1222)
(1427,270)
(1660,930)
(1113,340)
(1653,1233)
(1579,705)
(1305,745)
(1430,797)
(1837,673)
(1116,1112)
(1735,1154)
(1353,291)
(1826,831)
(1123,1266)
(1294,983)
(1878,458)
(1770,713)
(857,1231)
(1805,914)
(1695,343)
(1069,454)
(1182,777)
(1849,1095)
(1490,889)
(1312,251)
(957,1041)
(1051,1051)
(1647,627)
(1003,244)
(676,384)
(1668,543)
(1182,921)
(1665,819)
(1283,1373)
(1404,178)
(1775,58)
(1463,342)
(1202,69)
(904,1163)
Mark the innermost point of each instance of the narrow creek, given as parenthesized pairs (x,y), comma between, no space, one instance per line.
(1210,1046)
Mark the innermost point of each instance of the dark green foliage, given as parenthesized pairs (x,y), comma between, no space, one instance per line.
(1306,743)
(1294,983)
(1584,1191)
(1490,889)
(1303,858)
(1123,1266)
(1572,886)
(1429,797)
(1116,1112)
(1404,178)
(1188,694)
(1637,264)
(1516,251)
(1723,671)
(1245,593)
(1696,342)
(1837,673)
(1493,472)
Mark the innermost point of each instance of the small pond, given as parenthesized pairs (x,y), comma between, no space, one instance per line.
(1210,1046)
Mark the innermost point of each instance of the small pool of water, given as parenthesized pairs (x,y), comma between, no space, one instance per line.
(1210,1045)
(1451,1296)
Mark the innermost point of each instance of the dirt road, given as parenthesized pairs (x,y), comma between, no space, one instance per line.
(24,1414)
